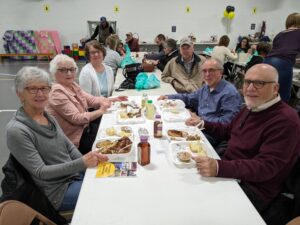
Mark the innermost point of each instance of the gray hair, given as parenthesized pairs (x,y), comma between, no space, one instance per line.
(53,66)
(28,74)
(216,61)
(171,44)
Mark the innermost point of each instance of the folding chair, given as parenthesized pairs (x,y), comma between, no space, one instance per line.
(17,213)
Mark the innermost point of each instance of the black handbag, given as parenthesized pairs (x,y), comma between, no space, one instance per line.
(130,73)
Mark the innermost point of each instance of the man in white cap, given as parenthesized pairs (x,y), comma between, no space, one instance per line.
(103,30)
(184,71)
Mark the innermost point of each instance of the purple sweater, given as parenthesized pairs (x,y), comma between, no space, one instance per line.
(262,149)
(286,45)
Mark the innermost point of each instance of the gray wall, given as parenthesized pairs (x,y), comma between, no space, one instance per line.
(147,18)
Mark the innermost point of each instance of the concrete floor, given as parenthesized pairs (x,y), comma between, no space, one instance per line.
(8,99)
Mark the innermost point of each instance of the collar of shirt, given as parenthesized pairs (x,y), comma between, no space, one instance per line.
(219,87)
(266,105)
(191,61)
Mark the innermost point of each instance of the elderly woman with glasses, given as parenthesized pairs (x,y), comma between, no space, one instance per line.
(69,104)
(37,142)
(96,78)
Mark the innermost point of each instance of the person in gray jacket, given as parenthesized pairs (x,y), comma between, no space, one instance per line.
(37,142)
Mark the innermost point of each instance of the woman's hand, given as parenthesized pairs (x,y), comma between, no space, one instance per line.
(92,158)
(104,102)
(119,99)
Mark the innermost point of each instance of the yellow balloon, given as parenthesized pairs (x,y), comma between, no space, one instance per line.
(231,15)
(225,13)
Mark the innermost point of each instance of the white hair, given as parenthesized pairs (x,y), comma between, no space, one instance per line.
(28,74)
(53,66)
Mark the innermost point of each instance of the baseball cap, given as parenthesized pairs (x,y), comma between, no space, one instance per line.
(103,19)
(186,41)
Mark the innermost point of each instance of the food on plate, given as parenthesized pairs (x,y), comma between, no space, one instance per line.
(196,147)
(193,137)
(132,113)
(120,146)
(125,132)
(168,103)
(184,156)
(125,105)
(175,111)
(104,144)
(177,133)
(135,113)
(111,131)
(124,115)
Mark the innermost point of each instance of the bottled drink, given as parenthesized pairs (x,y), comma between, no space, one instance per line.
(143,132)
(144,100)
(144,151)
(157,129)
(150,110)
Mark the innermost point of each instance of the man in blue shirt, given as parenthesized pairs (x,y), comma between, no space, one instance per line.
(216,101)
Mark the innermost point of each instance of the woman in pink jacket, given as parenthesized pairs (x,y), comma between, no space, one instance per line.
(69,104)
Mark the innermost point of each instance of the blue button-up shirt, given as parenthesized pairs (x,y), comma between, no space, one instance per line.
(219,105)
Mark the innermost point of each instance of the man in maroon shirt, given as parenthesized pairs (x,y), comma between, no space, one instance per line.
(263,139)
(133,43)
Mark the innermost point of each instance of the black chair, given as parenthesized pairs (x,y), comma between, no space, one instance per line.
(287,204)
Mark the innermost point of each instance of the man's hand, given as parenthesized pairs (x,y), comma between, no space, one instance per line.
(206,166)
(92,158)
(193,120)
(162,97)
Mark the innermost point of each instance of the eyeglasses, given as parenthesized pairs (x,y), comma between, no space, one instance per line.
(66,70)
(35,90)
(94,52)
(211,70)
(258,84)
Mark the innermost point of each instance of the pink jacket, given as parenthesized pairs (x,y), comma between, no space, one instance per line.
(70,109)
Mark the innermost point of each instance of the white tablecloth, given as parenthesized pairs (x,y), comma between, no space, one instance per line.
(162,193)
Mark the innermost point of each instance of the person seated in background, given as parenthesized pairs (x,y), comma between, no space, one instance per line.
(37,142)
(222,52)
(159,40)
(120,49)
(96,78)
(262,49)
(132,42)
(69,104)
(217,101)
(243,46)
(170,51)
(184,71)
(263,139)
(112,58)
(103,30)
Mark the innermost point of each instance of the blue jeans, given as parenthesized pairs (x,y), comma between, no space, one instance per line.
(71,195)
(285,72)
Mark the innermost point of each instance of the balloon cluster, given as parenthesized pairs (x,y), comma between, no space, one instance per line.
(229,12)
